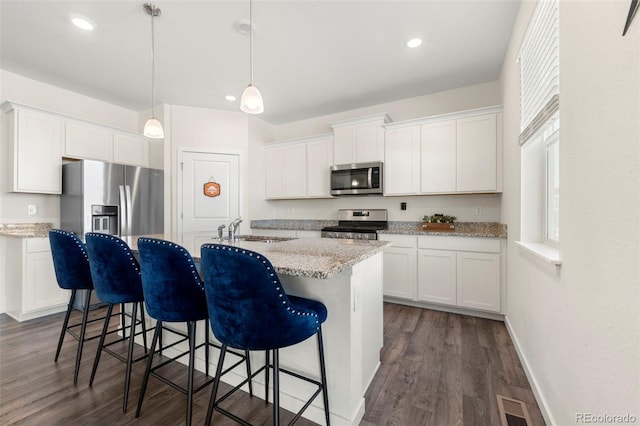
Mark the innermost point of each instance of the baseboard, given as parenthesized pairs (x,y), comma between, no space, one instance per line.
(445,308)
(537,392)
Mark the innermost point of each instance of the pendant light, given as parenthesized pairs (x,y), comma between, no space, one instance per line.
(153,128)
(251,101)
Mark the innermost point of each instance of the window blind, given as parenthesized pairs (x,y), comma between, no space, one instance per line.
(539,69)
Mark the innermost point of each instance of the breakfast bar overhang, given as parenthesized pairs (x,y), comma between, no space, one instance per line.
(345,275)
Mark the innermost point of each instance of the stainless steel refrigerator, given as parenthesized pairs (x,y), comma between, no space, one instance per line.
(112,199)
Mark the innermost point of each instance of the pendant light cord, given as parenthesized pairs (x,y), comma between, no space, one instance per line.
(251,38)
(153,59)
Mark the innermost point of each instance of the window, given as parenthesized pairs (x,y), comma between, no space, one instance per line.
(539,133)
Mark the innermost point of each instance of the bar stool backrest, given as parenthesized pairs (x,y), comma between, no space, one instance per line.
(70,260)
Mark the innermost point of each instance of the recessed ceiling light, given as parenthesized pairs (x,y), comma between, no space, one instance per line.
(414,42)
(230,98)
(82,23)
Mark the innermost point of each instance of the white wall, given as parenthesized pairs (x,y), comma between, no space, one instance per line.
(579,334)
(206,130)
(462,206)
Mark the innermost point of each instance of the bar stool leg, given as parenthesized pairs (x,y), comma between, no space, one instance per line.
(191,327)
(127,377)
(248,363)
(276,387)
(147,371)
(323,376)
(266,377)
(83,328)
(65,324)
(216,383)
(103,335)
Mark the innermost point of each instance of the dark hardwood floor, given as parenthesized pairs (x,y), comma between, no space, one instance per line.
(437,369)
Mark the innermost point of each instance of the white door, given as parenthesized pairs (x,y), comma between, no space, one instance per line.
(210,191)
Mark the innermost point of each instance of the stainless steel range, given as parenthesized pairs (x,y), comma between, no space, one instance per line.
(357,224)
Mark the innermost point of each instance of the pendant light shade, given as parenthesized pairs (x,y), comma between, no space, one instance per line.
(153,129)
(251,101)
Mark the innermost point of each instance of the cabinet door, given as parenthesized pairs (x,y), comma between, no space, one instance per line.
(286,171)
(369,142)
(479,280)
(438,157)
(319,160)
(402,161)
(477,153)
(344,144)
(41,289)
(130,149)
(38,142)
(399,272)
(88,141)
(437,276)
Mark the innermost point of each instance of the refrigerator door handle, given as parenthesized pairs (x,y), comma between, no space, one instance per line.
(127,189)
(123,211)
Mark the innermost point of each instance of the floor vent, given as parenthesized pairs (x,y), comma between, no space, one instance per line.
(513,412)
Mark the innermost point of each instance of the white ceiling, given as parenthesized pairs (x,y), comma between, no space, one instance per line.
(311,57)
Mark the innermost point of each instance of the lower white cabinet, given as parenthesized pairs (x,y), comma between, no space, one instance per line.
(399,266)
(32,289)
(461,272)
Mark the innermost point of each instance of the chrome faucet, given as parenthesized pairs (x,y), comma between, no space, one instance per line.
(220,236)
(233,229)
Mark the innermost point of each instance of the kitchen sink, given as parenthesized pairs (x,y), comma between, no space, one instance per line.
(262,239)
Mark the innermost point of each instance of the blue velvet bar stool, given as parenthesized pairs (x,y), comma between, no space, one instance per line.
(116,278)
(71,265)
(249,310)
(174,292)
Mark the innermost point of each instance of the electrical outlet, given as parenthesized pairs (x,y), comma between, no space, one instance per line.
(478,211)
(32,209)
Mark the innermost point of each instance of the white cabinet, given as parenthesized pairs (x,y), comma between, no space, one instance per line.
(299,168)
(402,161)
(438,157)
(452,272)
(37,143)
(478,276)
(87,141)
(456,153)
(319,159)
(460,271)
(32,289)
(437,276)
(130,149)
(360,140)
(477,154)
(399,266)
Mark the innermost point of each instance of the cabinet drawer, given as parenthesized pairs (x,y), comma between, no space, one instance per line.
(35,245)
(487,245)
(408,241)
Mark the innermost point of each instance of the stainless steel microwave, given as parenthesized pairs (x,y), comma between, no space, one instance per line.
(356,179)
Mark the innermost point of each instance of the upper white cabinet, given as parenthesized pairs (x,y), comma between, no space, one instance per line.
(477,153)
(438,157)
(88,141)
(457,153)
(298,168)
(360,140)
(131,149)
(401,171)
(37,144)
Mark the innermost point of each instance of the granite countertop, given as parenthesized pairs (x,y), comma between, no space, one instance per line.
(25,230)
(306,257)
(462,229)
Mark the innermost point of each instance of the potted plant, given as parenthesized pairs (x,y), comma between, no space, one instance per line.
(438,222)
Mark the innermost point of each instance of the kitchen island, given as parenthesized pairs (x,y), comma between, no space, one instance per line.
(345,275)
